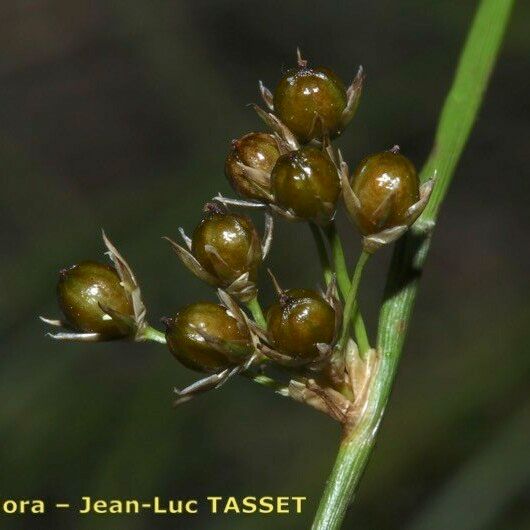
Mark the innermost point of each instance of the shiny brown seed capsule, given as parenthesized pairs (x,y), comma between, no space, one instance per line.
(227,245)
(195,336)
(311,102)
(298,322)
(83,289)
(249,164)
(307,183)
(386,185)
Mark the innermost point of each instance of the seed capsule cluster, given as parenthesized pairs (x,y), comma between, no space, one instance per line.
(291,171)
(227,246)
(300,321)
(254,154)
(189,331)
(311,102)
(387,186)
(306,183)
(84,289)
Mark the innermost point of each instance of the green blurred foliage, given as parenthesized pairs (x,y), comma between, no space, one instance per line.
(118,114)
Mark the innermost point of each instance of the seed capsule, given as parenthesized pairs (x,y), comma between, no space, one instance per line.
(311,102)
(205,338)
(81,292)
(227,246)
(306,183)
(300,321)
(386,185)
(249,164)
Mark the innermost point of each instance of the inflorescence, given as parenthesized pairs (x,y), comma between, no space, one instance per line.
(302,346)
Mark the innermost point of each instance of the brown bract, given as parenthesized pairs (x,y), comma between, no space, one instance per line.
(348,406)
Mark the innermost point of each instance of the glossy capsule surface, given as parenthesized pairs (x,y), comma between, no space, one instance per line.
(386,185)
(304,94)
(184,339)
(299,321)
(307,183)
(256,151)
(81,290)
(227,245)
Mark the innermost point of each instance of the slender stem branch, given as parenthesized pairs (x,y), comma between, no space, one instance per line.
(350,306)
(341,273)
(455,124)
(339,260)
(152,334)
(257,313)
(322,252)
(266,381)
(343,281)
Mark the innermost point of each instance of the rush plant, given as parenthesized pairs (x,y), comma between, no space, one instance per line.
(311,346)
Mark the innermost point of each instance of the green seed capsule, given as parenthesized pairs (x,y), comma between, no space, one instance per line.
(386,185)
(298,322)
(249,163)
(305,94)
(307,183)
(81,290)
(187,335)
(227,245)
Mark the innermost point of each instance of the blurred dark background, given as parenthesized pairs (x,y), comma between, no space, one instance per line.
(118,114)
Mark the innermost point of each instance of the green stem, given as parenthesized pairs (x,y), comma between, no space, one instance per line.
(455,124)
(322,252)
(350,306)
(339,260)
(266,381)
(150,333)
(343,281)
(257,313)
